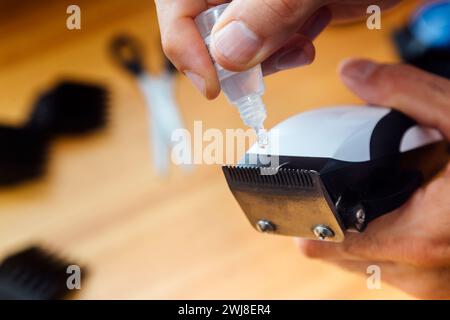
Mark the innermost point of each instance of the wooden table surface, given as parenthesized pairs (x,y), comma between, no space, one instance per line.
(143,237)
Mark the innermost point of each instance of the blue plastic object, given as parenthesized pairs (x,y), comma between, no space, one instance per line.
(431,25)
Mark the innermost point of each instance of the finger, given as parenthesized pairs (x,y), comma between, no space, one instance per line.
(401,276)
(298,51)
(377,242)
(363,267)
(397,275)
(316,23)
(250,31)
(355,11)
(183,44)
(395,237)
(422,96)
(328,251)
(421,283)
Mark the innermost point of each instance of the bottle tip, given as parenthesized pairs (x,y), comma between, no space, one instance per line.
(263,137)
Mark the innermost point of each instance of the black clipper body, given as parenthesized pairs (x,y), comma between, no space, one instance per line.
(339,169)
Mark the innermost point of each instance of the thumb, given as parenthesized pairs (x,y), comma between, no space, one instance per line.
(249,31)
(422,96)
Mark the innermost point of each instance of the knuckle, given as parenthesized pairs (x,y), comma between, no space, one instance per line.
(383,74)
(309,249)
(349,247)
(429,253)
(282,8)
(169,48)
(389,79)
(352,245)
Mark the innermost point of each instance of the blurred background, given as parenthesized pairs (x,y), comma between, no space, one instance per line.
(139,235)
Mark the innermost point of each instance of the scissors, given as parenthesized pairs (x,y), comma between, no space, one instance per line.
(158,90)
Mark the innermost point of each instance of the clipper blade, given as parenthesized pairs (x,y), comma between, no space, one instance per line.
(292,201)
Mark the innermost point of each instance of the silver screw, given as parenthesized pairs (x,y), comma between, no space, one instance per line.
(323,232)
(360,216)
(265,226)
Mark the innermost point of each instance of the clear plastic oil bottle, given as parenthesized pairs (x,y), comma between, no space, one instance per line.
(242,89)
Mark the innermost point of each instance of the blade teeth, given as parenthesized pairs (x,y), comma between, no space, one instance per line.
(301,177)
(282,177)
(293,174)
(287,176)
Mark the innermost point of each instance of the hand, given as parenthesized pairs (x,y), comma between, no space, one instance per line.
(412,244)
(276,33)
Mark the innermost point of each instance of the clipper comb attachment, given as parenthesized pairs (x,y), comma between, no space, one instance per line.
(33,274)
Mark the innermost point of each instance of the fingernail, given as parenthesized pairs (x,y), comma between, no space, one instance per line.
(292,59)
(197,80)
(359,70)
(236,42)
(317,25)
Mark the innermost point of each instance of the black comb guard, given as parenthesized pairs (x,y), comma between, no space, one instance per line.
(34,274)
(70,108)
(23,155)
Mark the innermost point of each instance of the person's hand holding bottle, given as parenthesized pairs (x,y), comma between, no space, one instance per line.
(275,33)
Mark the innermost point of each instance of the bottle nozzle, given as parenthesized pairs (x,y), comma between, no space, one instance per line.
(253,113)
(263,137)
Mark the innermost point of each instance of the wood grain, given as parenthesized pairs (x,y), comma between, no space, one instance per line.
(141,236)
